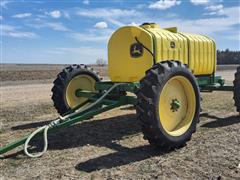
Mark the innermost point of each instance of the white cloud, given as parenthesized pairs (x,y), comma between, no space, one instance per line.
(12,31)
(218,13)
(208,26)
(106,13)
(93,35)
(89,37)
(115,22)
(109,14)
(164,4)
(214,7)
(213,26)
(171,15)
(101,25)
(54,14)
(232,35)
(23,15)
(214,10)
(22,34)
(199,2)
(86,2)
(79,50)
(57,26)
(40,16)
(6,28)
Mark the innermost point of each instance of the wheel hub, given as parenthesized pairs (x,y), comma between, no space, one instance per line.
(83,82)
(175,105)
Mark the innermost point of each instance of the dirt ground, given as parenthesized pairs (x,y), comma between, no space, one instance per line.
(111,145)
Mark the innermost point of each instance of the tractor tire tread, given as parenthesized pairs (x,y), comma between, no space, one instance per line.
(146,105)
(61,82)
(236,89)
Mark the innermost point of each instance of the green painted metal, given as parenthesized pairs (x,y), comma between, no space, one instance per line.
(212,83)
(208,80)
(129,87)
(63,124)
(103,106)
(216,87)
(175,105)
(84,93)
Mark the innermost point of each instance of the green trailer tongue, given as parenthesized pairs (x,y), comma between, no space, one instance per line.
(97,103)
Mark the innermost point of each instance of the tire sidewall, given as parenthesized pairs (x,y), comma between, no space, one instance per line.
(73,75)
(236,89)
(178,71)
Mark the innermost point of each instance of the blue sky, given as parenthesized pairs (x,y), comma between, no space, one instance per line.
(73,31)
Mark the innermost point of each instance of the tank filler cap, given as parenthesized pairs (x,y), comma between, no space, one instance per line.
(150,25)
(146,23)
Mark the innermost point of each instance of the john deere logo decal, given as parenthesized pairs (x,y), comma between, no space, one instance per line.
(172,44)
(136,50)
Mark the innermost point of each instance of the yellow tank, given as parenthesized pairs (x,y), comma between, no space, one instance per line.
(132,50)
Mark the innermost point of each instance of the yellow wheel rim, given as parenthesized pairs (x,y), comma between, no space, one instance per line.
(84,82)
(177,105)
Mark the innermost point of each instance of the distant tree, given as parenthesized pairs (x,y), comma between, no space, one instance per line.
(101,62)
(228,57)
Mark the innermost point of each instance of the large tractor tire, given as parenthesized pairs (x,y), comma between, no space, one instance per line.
(67,82)
(236,91)
(168,105)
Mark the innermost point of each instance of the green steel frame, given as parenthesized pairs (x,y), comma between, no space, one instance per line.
(111,101)
(212,83)
(114,99)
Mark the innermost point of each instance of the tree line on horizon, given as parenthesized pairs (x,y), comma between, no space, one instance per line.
(228,57)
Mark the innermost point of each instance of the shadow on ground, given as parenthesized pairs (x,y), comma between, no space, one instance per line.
(30,125)
(104,132)
(220,122)
(101,132)
(123,157)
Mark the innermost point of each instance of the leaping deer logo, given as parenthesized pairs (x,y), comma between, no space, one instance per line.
(136,50)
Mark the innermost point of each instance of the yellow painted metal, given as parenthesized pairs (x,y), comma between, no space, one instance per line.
(83,82)
(121,66)
(169,45)
(176,123)
(197,51)
(202,54)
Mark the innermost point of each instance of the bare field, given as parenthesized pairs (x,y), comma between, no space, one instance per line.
(9,73)
(111,145)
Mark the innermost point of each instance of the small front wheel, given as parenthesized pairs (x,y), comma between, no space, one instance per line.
(66,84)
